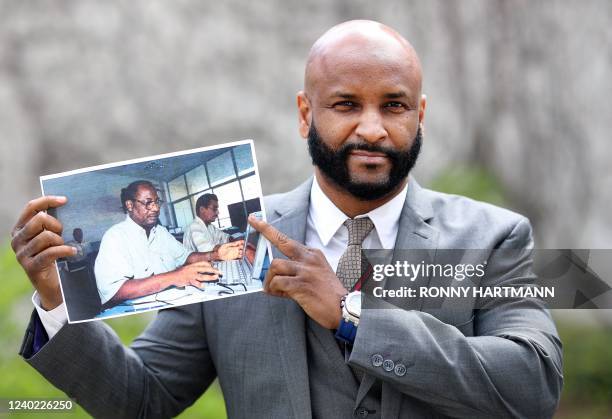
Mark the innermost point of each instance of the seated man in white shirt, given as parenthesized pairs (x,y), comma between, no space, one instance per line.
(138,257)
(202,235)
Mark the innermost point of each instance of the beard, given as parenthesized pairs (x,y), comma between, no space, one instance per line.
(333,164)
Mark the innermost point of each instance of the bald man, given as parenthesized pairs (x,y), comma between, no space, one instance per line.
(304,348)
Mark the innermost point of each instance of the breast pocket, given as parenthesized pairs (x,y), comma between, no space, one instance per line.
(161,262)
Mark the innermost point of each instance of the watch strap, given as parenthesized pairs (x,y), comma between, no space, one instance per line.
(346,331)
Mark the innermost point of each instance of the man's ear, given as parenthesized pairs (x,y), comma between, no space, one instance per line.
(129,205)
(422,106)
(304,113)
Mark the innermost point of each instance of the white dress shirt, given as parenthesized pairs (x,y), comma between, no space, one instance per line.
(127,253)
(200,237)
(325,229)
(52,320)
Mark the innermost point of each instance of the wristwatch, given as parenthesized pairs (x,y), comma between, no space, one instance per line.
(351,311)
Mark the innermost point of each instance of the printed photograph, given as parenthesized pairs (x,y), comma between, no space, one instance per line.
(161,231)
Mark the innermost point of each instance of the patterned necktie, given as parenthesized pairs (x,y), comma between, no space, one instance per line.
(349,266)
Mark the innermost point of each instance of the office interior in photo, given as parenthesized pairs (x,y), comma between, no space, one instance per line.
(94,205)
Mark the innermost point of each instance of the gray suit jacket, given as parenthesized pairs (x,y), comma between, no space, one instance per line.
(502,362)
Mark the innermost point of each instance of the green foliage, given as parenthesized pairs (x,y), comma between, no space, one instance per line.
(473,181)
(588,365)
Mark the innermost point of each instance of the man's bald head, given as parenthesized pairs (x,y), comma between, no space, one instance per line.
(358,41)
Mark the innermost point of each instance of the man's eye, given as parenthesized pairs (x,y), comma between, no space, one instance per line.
(344,105)
(395,106)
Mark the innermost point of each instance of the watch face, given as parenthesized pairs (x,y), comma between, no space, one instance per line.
(353,303)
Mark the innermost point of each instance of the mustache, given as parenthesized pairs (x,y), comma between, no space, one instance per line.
(373,148)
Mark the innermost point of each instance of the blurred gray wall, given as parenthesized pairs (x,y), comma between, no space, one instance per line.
(523,88)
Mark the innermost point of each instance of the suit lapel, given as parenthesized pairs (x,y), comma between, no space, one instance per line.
(414,229)
(289,320)
(414,232)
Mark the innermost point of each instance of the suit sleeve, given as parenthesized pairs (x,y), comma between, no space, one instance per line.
(164,371)
(511,367)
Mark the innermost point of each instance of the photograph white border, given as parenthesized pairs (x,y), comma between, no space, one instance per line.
(145,159)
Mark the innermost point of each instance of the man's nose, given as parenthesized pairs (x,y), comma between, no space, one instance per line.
(371,127)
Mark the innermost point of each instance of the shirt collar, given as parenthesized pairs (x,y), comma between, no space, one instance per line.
(386,219)
(138,229)
(328,218)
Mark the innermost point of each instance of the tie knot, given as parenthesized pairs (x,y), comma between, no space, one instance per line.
(358,229)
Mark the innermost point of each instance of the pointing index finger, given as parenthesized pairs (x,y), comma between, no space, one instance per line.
(289,247)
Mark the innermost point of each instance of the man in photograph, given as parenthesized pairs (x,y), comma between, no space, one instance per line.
(293,351)
(202,235)
(82,247)
(139,257)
